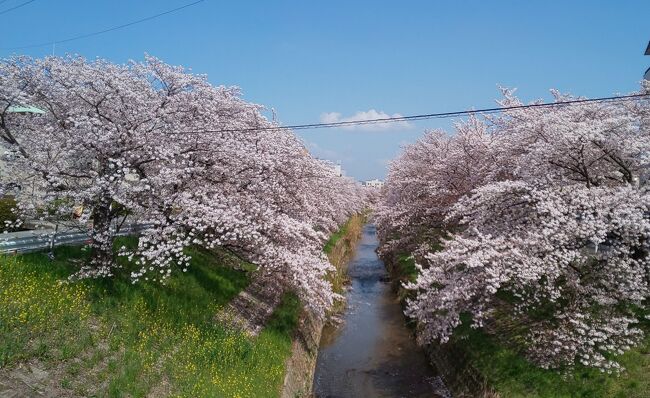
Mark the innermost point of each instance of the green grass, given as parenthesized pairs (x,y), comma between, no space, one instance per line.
(340,249)
(511,375)
(335,237)
(112,338)
(406,268)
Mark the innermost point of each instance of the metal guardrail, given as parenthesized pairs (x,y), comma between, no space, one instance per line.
(30,241)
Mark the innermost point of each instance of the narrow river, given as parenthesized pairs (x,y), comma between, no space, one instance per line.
(372,352)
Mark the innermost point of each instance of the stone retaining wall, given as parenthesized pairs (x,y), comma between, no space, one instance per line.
(450,360)
(460,378)
(301,365)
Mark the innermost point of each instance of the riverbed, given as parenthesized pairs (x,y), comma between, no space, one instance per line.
(372,353)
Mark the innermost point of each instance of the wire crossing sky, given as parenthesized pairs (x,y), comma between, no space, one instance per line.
(440,115)
(99,32)
(2,12)
(342,61)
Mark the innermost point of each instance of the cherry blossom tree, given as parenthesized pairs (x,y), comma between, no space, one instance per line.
(164,147)
(429,177)
(576,256)
(555,237)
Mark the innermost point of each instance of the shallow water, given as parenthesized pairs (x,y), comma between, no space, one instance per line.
(372,353)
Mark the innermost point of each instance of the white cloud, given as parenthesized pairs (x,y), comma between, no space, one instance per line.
(335,117)
(330,117)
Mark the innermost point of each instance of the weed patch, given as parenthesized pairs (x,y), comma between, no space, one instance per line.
(115,338)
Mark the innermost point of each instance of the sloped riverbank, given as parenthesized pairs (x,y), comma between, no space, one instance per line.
(113,338)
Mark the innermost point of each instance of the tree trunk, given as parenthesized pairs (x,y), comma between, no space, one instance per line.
(102,240)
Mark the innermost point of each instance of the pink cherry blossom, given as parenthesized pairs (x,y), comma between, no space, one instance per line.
(165,147)
(538,211)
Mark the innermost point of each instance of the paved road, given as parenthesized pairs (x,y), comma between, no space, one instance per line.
(29,241)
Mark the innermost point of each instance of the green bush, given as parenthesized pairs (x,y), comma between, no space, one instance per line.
(7,215)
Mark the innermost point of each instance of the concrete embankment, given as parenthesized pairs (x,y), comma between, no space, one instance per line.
(450,360)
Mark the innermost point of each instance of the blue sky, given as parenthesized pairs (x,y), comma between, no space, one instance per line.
(337,59)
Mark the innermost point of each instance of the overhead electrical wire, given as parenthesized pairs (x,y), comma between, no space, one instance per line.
(99,32)
(16,7)
(440,115)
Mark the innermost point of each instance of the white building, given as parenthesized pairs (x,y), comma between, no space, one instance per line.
(335,167)
(378,184)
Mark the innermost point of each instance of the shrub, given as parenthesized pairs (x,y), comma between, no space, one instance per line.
(7,215)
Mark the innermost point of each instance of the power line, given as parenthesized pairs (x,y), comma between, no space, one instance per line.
(440,115)
(16,7)
(99,32)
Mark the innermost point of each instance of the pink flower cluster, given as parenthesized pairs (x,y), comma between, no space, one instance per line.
(541,215)
(153,144)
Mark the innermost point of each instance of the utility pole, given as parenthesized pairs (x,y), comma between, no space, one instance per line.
(646,76)
(644,175)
